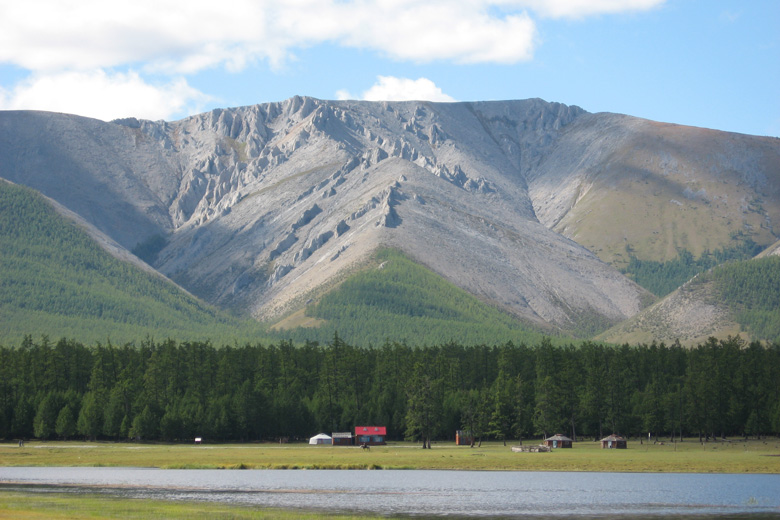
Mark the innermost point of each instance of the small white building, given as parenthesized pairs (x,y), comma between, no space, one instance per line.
(321,439)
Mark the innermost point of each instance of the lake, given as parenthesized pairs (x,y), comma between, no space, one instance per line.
(430,493)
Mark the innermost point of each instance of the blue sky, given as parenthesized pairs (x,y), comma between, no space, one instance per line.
(709,63)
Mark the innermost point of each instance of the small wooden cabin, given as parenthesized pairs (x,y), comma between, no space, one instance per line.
(342,438)
(370,435)
(614,441)
(558,440)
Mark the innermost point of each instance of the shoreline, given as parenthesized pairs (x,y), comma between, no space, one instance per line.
(738,456)
(153,493)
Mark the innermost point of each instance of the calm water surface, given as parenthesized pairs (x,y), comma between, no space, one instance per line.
(431,493)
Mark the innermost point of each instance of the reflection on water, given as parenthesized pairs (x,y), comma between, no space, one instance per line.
(432,493)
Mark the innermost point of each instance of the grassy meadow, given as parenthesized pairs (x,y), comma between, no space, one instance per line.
(738,456)
(60,506)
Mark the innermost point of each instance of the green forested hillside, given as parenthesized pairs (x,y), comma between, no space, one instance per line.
(752,290)
(661,278)
(400,300)
(55,280)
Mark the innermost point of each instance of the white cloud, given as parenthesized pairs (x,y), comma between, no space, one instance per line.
(462,32)
(389,88)
(69,44)
(50,35)
(87,34)
(103,96)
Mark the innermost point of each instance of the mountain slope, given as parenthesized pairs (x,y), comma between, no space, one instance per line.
(774,249)
(113,177)
(661,278)
(260,209)
(621,185)
(740,297)
(394,298)
(56,280)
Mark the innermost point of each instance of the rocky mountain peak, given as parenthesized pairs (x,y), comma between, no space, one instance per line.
(264,207)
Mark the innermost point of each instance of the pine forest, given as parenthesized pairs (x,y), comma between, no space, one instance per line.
(173,391)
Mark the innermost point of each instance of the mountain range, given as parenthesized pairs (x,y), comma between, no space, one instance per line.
(536,209)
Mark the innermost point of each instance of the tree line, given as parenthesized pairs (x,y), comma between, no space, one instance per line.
(661,278)
(176,391)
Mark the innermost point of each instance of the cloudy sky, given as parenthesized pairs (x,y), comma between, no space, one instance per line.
(710,63)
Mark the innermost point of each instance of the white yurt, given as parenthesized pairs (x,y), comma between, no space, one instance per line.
(321,439)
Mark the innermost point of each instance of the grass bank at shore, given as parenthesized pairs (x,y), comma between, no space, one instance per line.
(60,506)
(690,456)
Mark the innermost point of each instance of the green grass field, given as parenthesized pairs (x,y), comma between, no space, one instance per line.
(762,456)
(54,506)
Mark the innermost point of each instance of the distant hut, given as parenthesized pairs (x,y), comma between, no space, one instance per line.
(321,439)
(342,438)
(370,435)
(614,441)
(558,440)
(463,438)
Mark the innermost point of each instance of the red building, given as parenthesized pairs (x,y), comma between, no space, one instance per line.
(370,435)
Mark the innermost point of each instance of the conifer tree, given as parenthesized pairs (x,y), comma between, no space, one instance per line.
(66,423)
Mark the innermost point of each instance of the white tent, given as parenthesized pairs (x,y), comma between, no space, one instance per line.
(321,439)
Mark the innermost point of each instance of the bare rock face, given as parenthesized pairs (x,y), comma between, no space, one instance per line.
(265,207)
